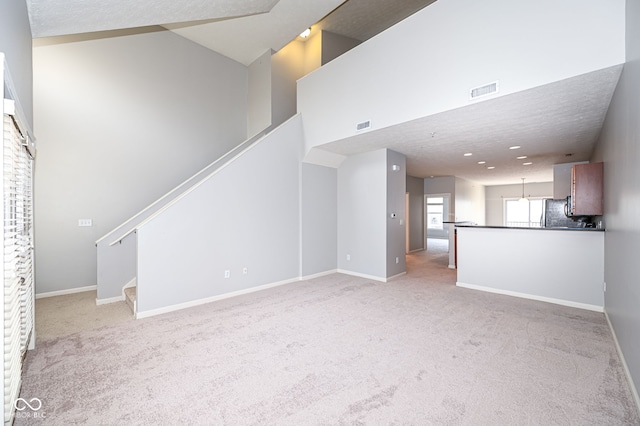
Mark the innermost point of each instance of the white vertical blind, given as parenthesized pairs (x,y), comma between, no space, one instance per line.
(17,257)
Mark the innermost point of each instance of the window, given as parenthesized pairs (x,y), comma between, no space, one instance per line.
(521,214)
(435,210)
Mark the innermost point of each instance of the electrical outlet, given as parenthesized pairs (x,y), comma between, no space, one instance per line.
(348,257)
(227,273)
(245,270)
(397,260)
(604,286)
(85,222)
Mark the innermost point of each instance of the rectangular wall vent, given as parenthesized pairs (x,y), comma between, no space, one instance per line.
(487,89)
(363,126)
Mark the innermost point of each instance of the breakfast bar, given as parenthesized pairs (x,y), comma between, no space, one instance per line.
(563,266)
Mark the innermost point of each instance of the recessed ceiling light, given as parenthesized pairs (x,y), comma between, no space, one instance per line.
(491,167)
(468,154)
(522,157)
(527,164)
(514,147)
(482,162)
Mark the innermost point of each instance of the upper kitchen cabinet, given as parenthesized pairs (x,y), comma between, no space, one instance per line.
(586,189)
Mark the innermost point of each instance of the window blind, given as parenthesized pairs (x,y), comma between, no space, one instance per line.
(17,168)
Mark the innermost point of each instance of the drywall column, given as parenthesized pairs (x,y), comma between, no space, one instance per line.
(415,189)
(396,226)
(369,192)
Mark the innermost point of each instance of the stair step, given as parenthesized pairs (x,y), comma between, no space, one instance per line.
(130,298)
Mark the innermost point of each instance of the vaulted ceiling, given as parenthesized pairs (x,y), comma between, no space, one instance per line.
(554,124)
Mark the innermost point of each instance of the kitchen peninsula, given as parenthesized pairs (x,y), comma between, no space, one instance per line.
(563,266)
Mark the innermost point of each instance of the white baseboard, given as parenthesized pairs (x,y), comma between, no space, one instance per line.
(318,275)
(357,274)
(634,390)
(562,302)
(190,304)
(109,300)
(452,266)
(416,250)
(65,292)
(396,276)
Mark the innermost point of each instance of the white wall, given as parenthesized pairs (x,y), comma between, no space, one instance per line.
(469,202)
(15,43)
(319,216)
(362,208)
(495,195)
(120,121)
(230,222)
(451,46)
(619,149)
(533,263)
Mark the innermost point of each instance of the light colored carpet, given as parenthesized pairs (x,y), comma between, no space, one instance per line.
(339,350)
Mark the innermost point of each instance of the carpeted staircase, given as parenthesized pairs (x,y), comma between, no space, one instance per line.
(130,298)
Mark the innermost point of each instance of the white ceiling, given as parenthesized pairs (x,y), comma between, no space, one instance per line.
(548,122)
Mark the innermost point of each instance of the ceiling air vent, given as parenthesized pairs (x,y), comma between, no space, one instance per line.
(487,89)
(363,126)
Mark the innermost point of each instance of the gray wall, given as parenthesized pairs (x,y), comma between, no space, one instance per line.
(229,222)
(120,121)
(15,43)
(443,185)
(287,66)
(259,97)
(362,207)
(319,216)
(562,179)
(415,189)
(369,191)
(619,148)
(334,45)
(396,204)
(495,195)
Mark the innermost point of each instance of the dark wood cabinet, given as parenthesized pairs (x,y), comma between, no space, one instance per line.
(587,189)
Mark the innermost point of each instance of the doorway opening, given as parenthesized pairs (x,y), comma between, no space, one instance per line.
(437,213)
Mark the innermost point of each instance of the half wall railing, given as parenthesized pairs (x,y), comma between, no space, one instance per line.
(116,250)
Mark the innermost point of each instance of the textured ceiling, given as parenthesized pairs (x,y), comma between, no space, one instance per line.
(548,122)
(363,19)
(64,17)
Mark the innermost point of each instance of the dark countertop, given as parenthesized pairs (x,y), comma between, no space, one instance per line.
(532,229)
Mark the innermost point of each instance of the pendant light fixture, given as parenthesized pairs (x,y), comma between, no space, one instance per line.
(523,199)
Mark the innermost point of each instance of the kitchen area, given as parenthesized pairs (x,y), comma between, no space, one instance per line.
(561,260)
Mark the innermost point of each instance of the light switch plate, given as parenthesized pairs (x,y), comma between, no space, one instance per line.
(85,222)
